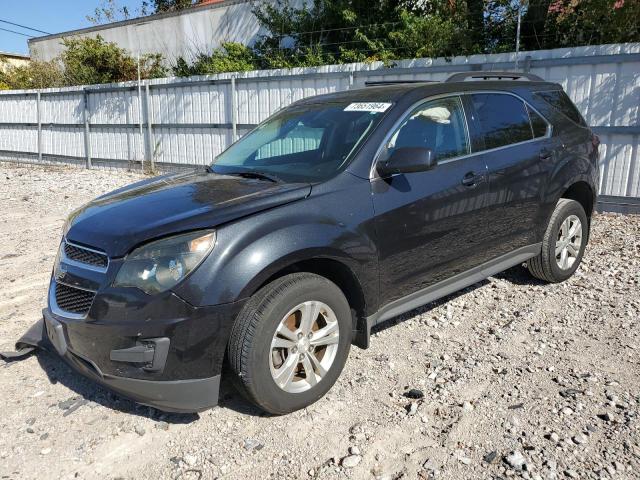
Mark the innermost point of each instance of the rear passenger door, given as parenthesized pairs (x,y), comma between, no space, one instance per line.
(515,145)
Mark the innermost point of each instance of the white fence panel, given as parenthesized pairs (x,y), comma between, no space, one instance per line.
(182,122)
(15,138)
(18,109)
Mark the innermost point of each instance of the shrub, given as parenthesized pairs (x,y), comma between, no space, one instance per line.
(88,61)
(230,57)
(35,74)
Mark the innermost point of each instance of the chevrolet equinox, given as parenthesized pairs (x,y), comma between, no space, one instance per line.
(337,213)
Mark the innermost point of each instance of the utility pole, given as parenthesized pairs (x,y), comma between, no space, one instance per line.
(140,114)
(518,33)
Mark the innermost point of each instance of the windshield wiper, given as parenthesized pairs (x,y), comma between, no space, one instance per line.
(255,174)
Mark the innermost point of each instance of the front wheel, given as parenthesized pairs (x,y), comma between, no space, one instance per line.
(563,243)
(290,342)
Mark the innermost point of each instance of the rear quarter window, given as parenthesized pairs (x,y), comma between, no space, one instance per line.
(538,124)
(563,104)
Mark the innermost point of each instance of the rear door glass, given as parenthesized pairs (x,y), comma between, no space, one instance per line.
(503,119)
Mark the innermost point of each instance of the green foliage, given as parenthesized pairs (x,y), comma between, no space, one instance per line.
(88,61)
(592,22)
(159,6)
(35,74)
(84,61)
(231,57)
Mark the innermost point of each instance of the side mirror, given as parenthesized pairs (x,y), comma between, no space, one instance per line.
(407,160)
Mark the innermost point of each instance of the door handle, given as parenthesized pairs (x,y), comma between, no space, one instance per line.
(471,179)
(545,154)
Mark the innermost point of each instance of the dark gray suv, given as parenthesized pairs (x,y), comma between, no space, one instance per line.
(335,214)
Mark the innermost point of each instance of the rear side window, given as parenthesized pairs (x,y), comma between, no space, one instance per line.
(538,124)
(561,102)
(503,119)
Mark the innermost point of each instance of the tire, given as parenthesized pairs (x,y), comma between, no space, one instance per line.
(546,265)
(255,362)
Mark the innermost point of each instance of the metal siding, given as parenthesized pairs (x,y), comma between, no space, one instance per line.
(606,91)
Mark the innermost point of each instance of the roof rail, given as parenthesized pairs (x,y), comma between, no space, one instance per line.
(474,76)
(377,83)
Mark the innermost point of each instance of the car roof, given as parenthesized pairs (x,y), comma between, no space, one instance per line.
(394,92)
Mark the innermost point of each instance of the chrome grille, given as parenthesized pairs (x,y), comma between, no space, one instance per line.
(84,255)
(73,300)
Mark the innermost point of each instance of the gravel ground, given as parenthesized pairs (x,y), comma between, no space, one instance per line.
(508,378)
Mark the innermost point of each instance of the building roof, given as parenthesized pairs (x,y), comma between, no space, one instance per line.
(15,55)
(206,5)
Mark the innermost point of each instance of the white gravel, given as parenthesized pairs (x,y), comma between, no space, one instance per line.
(510,365)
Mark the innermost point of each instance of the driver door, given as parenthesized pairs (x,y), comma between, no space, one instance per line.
(431,225)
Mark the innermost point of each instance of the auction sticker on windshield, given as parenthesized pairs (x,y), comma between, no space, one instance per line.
(367,107)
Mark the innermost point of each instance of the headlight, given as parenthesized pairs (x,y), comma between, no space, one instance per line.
(160,265)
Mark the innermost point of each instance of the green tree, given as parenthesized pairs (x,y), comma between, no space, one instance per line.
(159,6)
(88,61)
(591,22)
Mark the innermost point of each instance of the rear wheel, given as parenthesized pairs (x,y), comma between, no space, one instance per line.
(563,243)
(290,342)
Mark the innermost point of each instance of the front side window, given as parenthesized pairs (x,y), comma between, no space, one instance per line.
(438,125)
(305,143)
(503,119)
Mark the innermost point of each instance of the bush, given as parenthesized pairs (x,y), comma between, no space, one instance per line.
(230,57)
(89,61)
(84,61)
(35,74)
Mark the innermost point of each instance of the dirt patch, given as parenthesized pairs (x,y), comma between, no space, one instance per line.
(510,377)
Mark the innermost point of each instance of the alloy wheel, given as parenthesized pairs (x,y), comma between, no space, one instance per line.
(304,346)
(569,242)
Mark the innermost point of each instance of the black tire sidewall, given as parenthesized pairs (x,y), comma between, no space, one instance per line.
(567,209)
(271,397)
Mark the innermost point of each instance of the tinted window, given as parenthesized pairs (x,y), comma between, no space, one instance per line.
(503,119)
(538,124)
(438,124)
(561,102)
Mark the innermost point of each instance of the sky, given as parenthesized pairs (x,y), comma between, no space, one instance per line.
(53,16)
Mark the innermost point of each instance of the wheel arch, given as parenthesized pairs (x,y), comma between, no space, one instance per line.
(581,192)
(330,267)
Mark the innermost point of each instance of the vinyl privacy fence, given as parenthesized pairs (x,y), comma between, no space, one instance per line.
(182,122)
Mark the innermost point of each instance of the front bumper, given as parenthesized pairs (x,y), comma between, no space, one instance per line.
(185,379)
(189,395)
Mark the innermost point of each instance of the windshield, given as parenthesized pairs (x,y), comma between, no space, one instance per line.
(305,143)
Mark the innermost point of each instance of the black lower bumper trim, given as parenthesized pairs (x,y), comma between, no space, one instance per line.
(181,396)
(184,396)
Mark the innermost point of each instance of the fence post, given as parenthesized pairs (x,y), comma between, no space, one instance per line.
(87,131)
(234,110)
(149,121)
(38,113)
